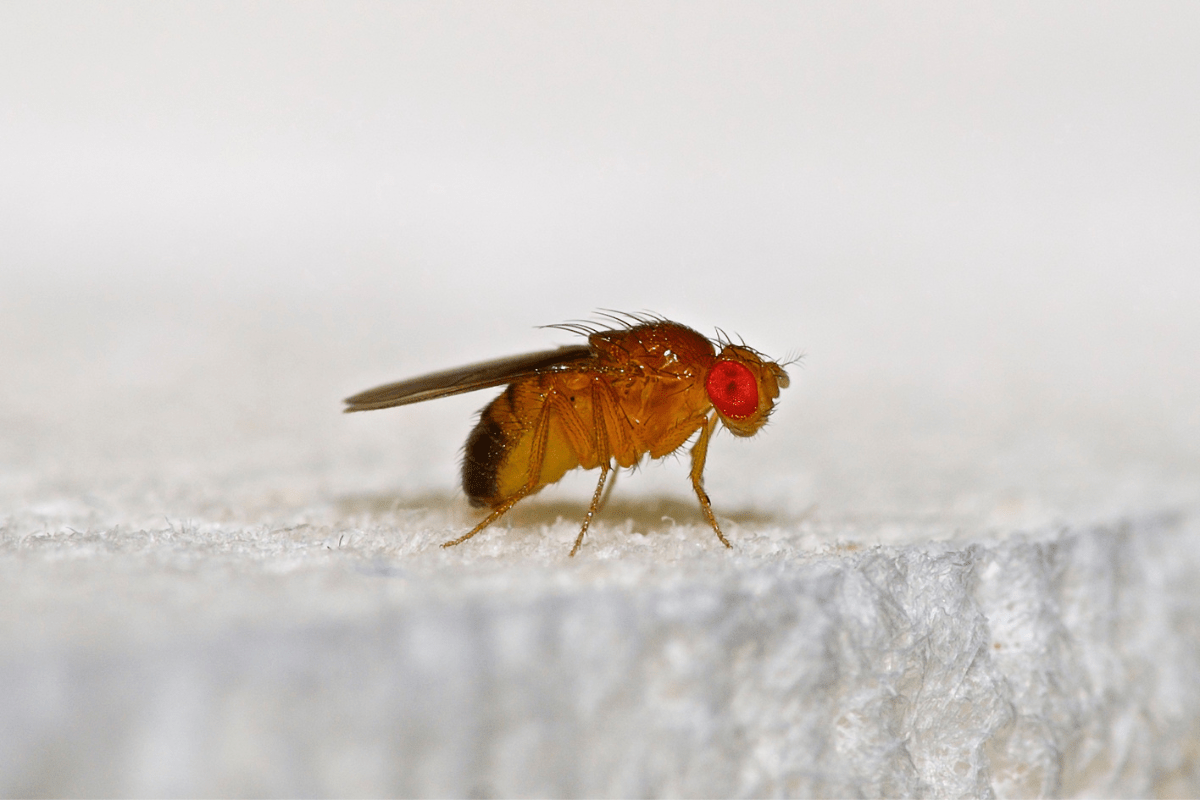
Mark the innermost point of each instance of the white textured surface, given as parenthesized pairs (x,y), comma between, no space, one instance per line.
(1053,664)
(967,547)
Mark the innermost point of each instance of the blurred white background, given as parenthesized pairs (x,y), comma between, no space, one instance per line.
(965,216)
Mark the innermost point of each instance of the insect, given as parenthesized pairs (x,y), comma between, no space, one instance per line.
(642,387)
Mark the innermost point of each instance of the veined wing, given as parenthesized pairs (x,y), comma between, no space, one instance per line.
(466,379)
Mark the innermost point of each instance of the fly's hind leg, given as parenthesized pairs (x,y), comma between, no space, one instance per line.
(537,452)
(496,514)
(699,455)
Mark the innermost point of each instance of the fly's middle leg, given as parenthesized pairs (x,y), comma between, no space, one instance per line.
(608,489)
(602,453)
(591,509)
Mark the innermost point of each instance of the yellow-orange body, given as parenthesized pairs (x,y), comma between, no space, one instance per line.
(638,390)
(641,394)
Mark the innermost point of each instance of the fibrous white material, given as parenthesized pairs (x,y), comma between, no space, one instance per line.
(1058,662)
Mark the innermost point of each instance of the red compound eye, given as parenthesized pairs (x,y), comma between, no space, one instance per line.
(732,389)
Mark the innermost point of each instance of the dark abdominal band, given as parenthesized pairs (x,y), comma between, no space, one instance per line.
(481,458)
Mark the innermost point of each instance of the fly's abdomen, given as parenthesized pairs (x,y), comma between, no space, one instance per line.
(482,458)
(496,457)
(526,438)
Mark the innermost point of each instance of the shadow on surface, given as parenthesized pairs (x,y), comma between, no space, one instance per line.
(645,512)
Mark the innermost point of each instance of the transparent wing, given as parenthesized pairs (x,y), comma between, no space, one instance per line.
(466,379)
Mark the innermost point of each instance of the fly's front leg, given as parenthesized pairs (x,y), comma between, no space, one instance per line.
(699,455)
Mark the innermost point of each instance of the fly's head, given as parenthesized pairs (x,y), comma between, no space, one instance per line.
(742,386)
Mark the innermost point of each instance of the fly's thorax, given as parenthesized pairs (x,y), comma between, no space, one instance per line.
(657,348)
(742,386)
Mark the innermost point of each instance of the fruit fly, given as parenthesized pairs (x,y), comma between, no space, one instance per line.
(643,387)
